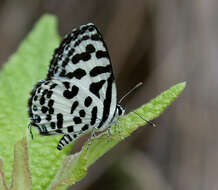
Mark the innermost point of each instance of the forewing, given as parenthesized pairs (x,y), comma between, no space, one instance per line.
(83,56)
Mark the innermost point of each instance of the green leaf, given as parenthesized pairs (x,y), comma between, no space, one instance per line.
(21,177)
(75,167)
(28,65)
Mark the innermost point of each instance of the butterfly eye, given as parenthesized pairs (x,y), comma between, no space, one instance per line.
(121,110)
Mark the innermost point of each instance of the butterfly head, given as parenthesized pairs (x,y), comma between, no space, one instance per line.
(120,110)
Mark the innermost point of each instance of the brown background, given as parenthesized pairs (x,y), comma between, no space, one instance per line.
(160,43)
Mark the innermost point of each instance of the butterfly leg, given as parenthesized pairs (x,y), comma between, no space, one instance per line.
(118,123)
(30,129)
(66,139)
(108,134)
(90,138)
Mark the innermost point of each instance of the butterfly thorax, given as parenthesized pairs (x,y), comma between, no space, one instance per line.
(119,111)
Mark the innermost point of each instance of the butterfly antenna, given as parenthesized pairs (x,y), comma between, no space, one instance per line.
(130,91)
(150,122)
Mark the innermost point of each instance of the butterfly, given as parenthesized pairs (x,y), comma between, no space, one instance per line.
(79,94)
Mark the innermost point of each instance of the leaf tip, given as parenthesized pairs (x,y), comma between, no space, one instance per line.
(180,86)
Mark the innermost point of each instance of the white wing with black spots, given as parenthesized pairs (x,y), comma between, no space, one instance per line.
(79,93)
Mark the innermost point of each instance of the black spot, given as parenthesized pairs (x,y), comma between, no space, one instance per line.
(102,54)
(70,129)
(82,113)
(68,39)
(44,92)
(35,98)
(79,73)
(82,31)
(49,94)
(71,51)
(77,120)
(39,90)
(95,87)
(44,109)
(77,43)
(66,85)
(52,125)
(59,50)
(99,70)
(46,83)
(65,62)
(50,103)
(91,29)
(37,119)
(58,131)
(75,35)
(85,27)
(51,110)
(42,100)
(85,56)
(85,38)
(90,48)
(62,74)
(35,108)
(94,115)
(75,135)
(59,120)
(85,127)
(53,86)
(76,58)
(74,106)
(70,94)
(95,37)
(88,101)
(48,117)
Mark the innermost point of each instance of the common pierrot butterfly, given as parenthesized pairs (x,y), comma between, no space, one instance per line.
(79,94)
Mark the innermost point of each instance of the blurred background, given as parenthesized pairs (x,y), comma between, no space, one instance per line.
(160,43)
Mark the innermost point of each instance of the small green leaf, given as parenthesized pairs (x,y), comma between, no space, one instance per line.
(3,185)
(21,177)
(73,169)
(100,145)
